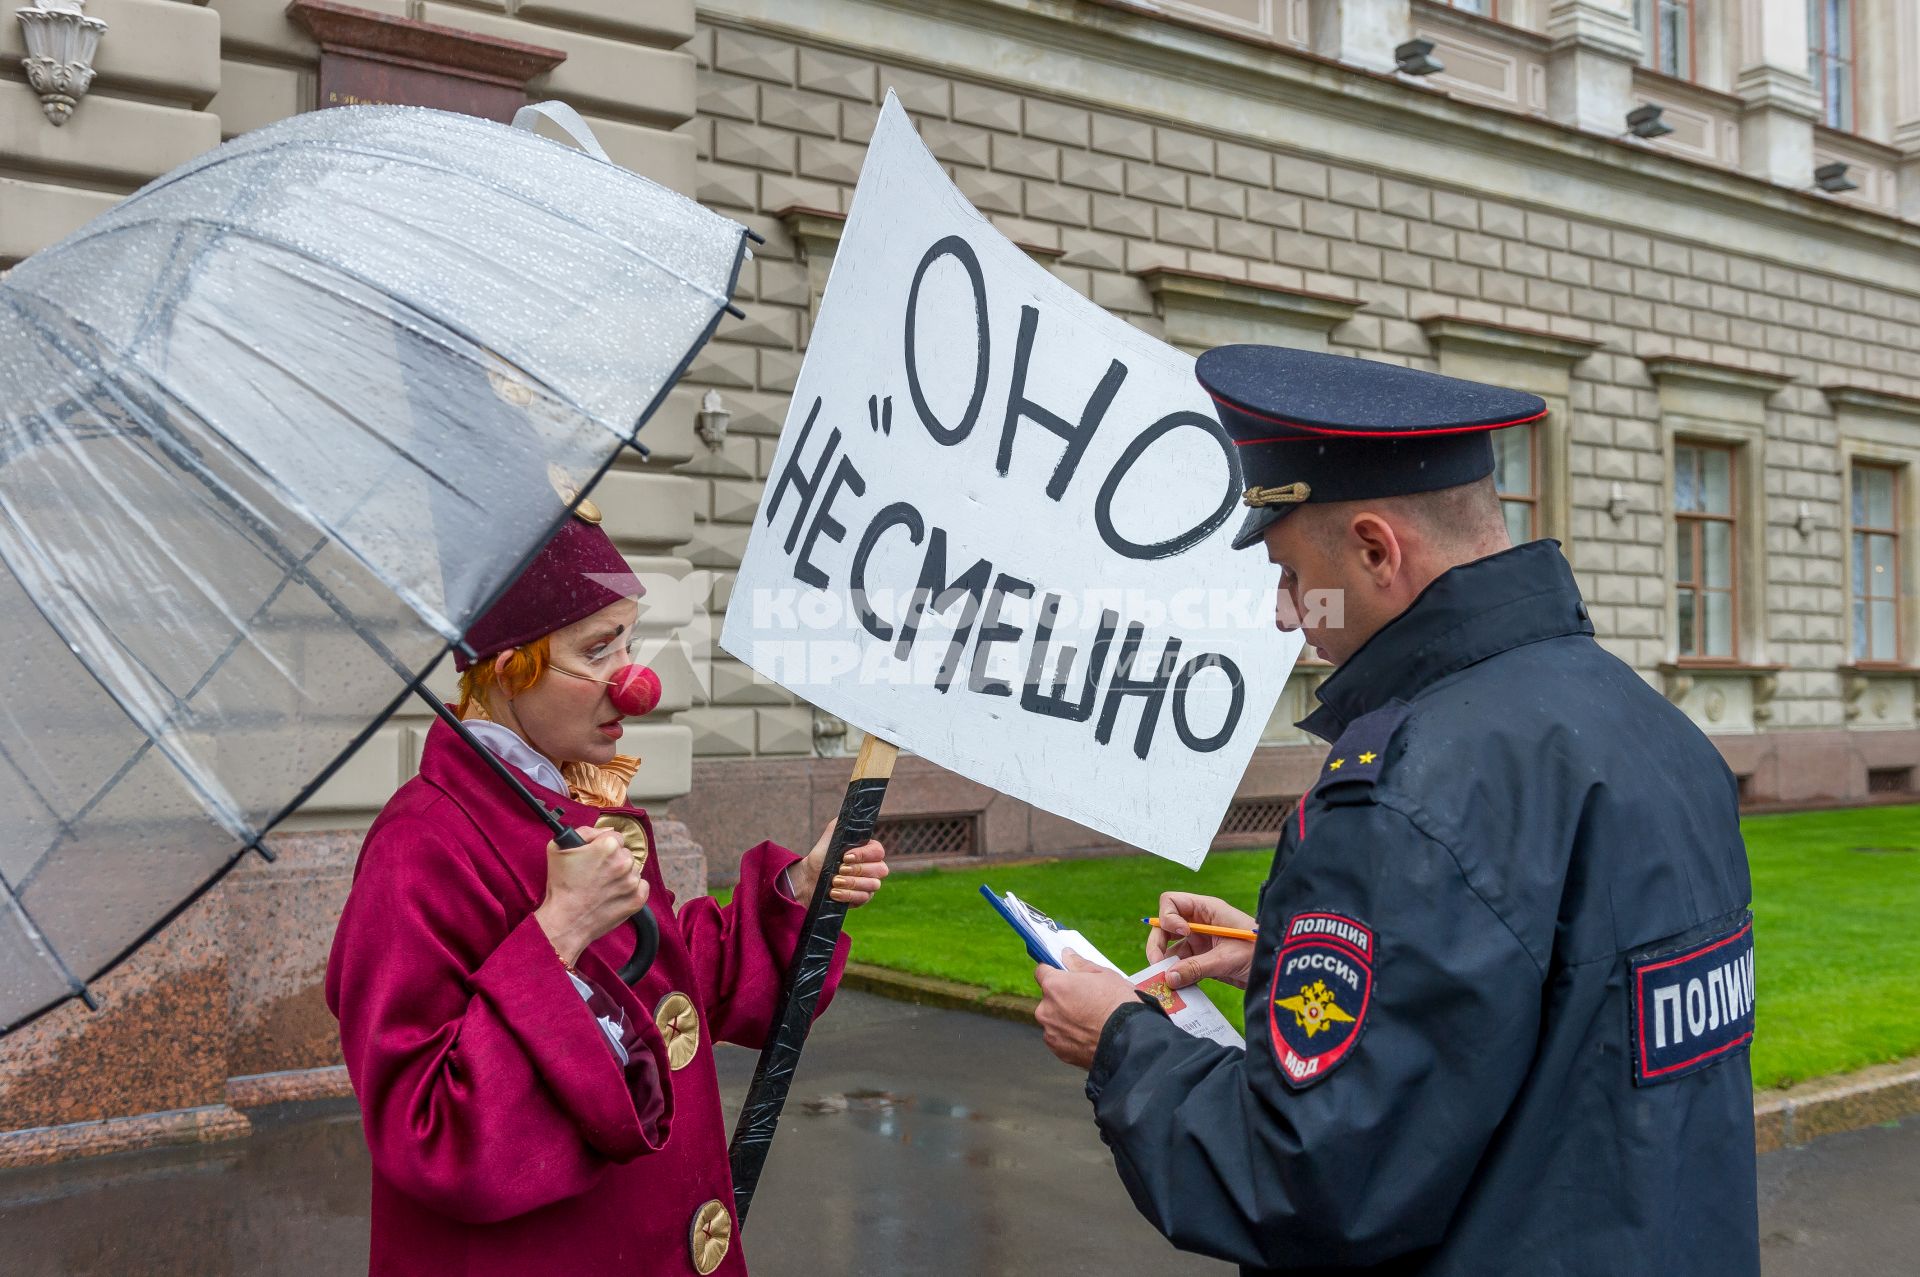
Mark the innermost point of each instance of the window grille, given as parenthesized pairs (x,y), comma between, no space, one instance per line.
(1253,819)
(948,835)
(1889,780)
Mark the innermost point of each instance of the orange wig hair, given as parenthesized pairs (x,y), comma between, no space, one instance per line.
(525,666)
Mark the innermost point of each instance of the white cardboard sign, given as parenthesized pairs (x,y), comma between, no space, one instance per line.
(996,529)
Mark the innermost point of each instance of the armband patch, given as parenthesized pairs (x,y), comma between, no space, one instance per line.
(1322,987)
(1691,1007)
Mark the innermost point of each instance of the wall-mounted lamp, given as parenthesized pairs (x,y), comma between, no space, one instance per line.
(1617,502)
(1415,57)
(1803,523)
(1644,121)
(1832,178)
(711,421)
(61,42)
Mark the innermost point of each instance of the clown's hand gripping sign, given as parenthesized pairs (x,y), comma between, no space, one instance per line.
(996,530)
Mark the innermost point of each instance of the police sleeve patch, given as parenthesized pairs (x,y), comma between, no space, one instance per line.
(1691,1006)
(1322,987)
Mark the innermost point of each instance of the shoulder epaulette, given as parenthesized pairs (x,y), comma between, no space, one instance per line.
(1360,755)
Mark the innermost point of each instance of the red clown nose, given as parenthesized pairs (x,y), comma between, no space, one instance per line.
(634,690)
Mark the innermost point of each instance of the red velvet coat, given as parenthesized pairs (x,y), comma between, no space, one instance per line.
(505,1137)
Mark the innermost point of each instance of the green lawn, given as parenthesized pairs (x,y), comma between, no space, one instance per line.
(1837,935)
(1836,903)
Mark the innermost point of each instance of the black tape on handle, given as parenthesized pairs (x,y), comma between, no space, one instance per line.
(799,995)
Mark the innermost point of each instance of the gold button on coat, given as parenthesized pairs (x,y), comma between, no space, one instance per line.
(679,1025)
(711,1235)
(632,833)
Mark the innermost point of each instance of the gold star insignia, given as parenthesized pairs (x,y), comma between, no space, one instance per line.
(1334,766)
(1368,757)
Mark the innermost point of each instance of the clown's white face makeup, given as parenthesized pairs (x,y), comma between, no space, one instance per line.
(571,719)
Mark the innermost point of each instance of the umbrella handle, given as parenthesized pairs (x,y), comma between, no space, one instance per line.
(646,944)
(646,931)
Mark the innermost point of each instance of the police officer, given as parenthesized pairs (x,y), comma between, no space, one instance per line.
(1498,1009)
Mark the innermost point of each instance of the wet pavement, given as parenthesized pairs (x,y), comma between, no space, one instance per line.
(1847,1203)
(917,1141)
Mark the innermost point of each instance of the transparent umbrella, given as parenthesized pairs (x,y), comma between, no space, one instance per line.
(274,432)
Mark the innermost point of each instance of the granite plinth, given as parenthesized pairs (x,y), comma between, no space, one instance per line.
(157,1042)
(223,1010)
(278,930)
(1817,768)
(682,862)
(231,987)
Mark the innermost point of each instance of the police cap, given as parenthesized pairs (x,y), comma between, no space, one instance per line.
(1310,427)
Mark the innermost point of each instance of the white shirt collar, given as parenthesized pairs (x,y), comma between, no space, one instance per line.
(507,746)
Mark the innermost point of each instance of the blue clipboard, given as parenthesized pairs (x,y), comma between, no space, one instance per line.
(1020,927)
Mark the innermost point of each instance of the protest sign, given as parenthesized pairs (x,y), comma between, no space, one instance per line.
(996,529)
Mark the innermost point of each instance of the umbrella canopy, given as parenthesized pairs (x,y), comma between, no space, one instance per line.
(274,432)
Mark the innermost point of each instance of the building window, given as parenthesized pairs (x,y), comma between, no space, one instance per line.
(1485,8)
(1830,59)
(1666,29)
(1704,571)
(1876,565)
(1516,477)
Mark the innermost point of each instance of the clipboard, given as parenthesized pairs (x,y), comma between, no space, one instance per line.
(1035,949)
(1046,940)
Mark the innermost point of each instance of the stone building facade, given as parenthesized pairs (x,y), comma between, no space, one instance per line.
(1729,352)
(1732,459)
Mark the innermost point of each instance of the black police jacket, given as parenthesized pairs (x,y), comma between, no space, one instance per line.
(1499,1008)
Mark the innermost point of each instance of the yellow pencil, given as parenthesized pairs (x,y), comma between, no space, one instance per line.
(1207,929)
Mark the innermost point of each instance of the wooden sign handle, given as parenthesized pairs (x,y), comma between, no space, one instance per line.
(806,976)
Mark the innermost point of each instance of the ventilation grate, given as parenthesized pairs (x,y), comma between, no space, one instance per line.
(1889,780)
(931,835)
(1256,817)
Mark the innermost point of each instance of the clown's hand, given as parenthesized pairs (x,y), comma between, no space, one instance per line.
(590,890)
(862,869)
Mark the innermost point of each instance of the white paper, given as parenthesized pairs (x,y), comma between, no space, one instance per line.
(1054,938)
(969,430)
(1189,1008)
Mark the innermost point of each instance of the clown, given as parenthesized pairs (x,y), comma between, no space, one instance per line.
(527,1112)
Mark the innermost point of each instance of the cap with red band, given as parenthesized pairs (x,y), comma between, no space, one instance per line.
(1311,427)
(576,574)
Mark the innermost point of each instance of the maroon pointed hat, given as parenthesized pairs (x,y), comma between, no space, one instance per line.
(576,574)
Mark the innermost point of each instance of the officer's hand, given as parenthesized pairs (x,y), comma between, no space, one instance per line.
(1207,957)
(1075,1005)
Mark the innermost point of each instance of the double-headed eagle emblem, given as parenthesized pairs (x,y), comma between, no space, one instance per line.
(1315,1008)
